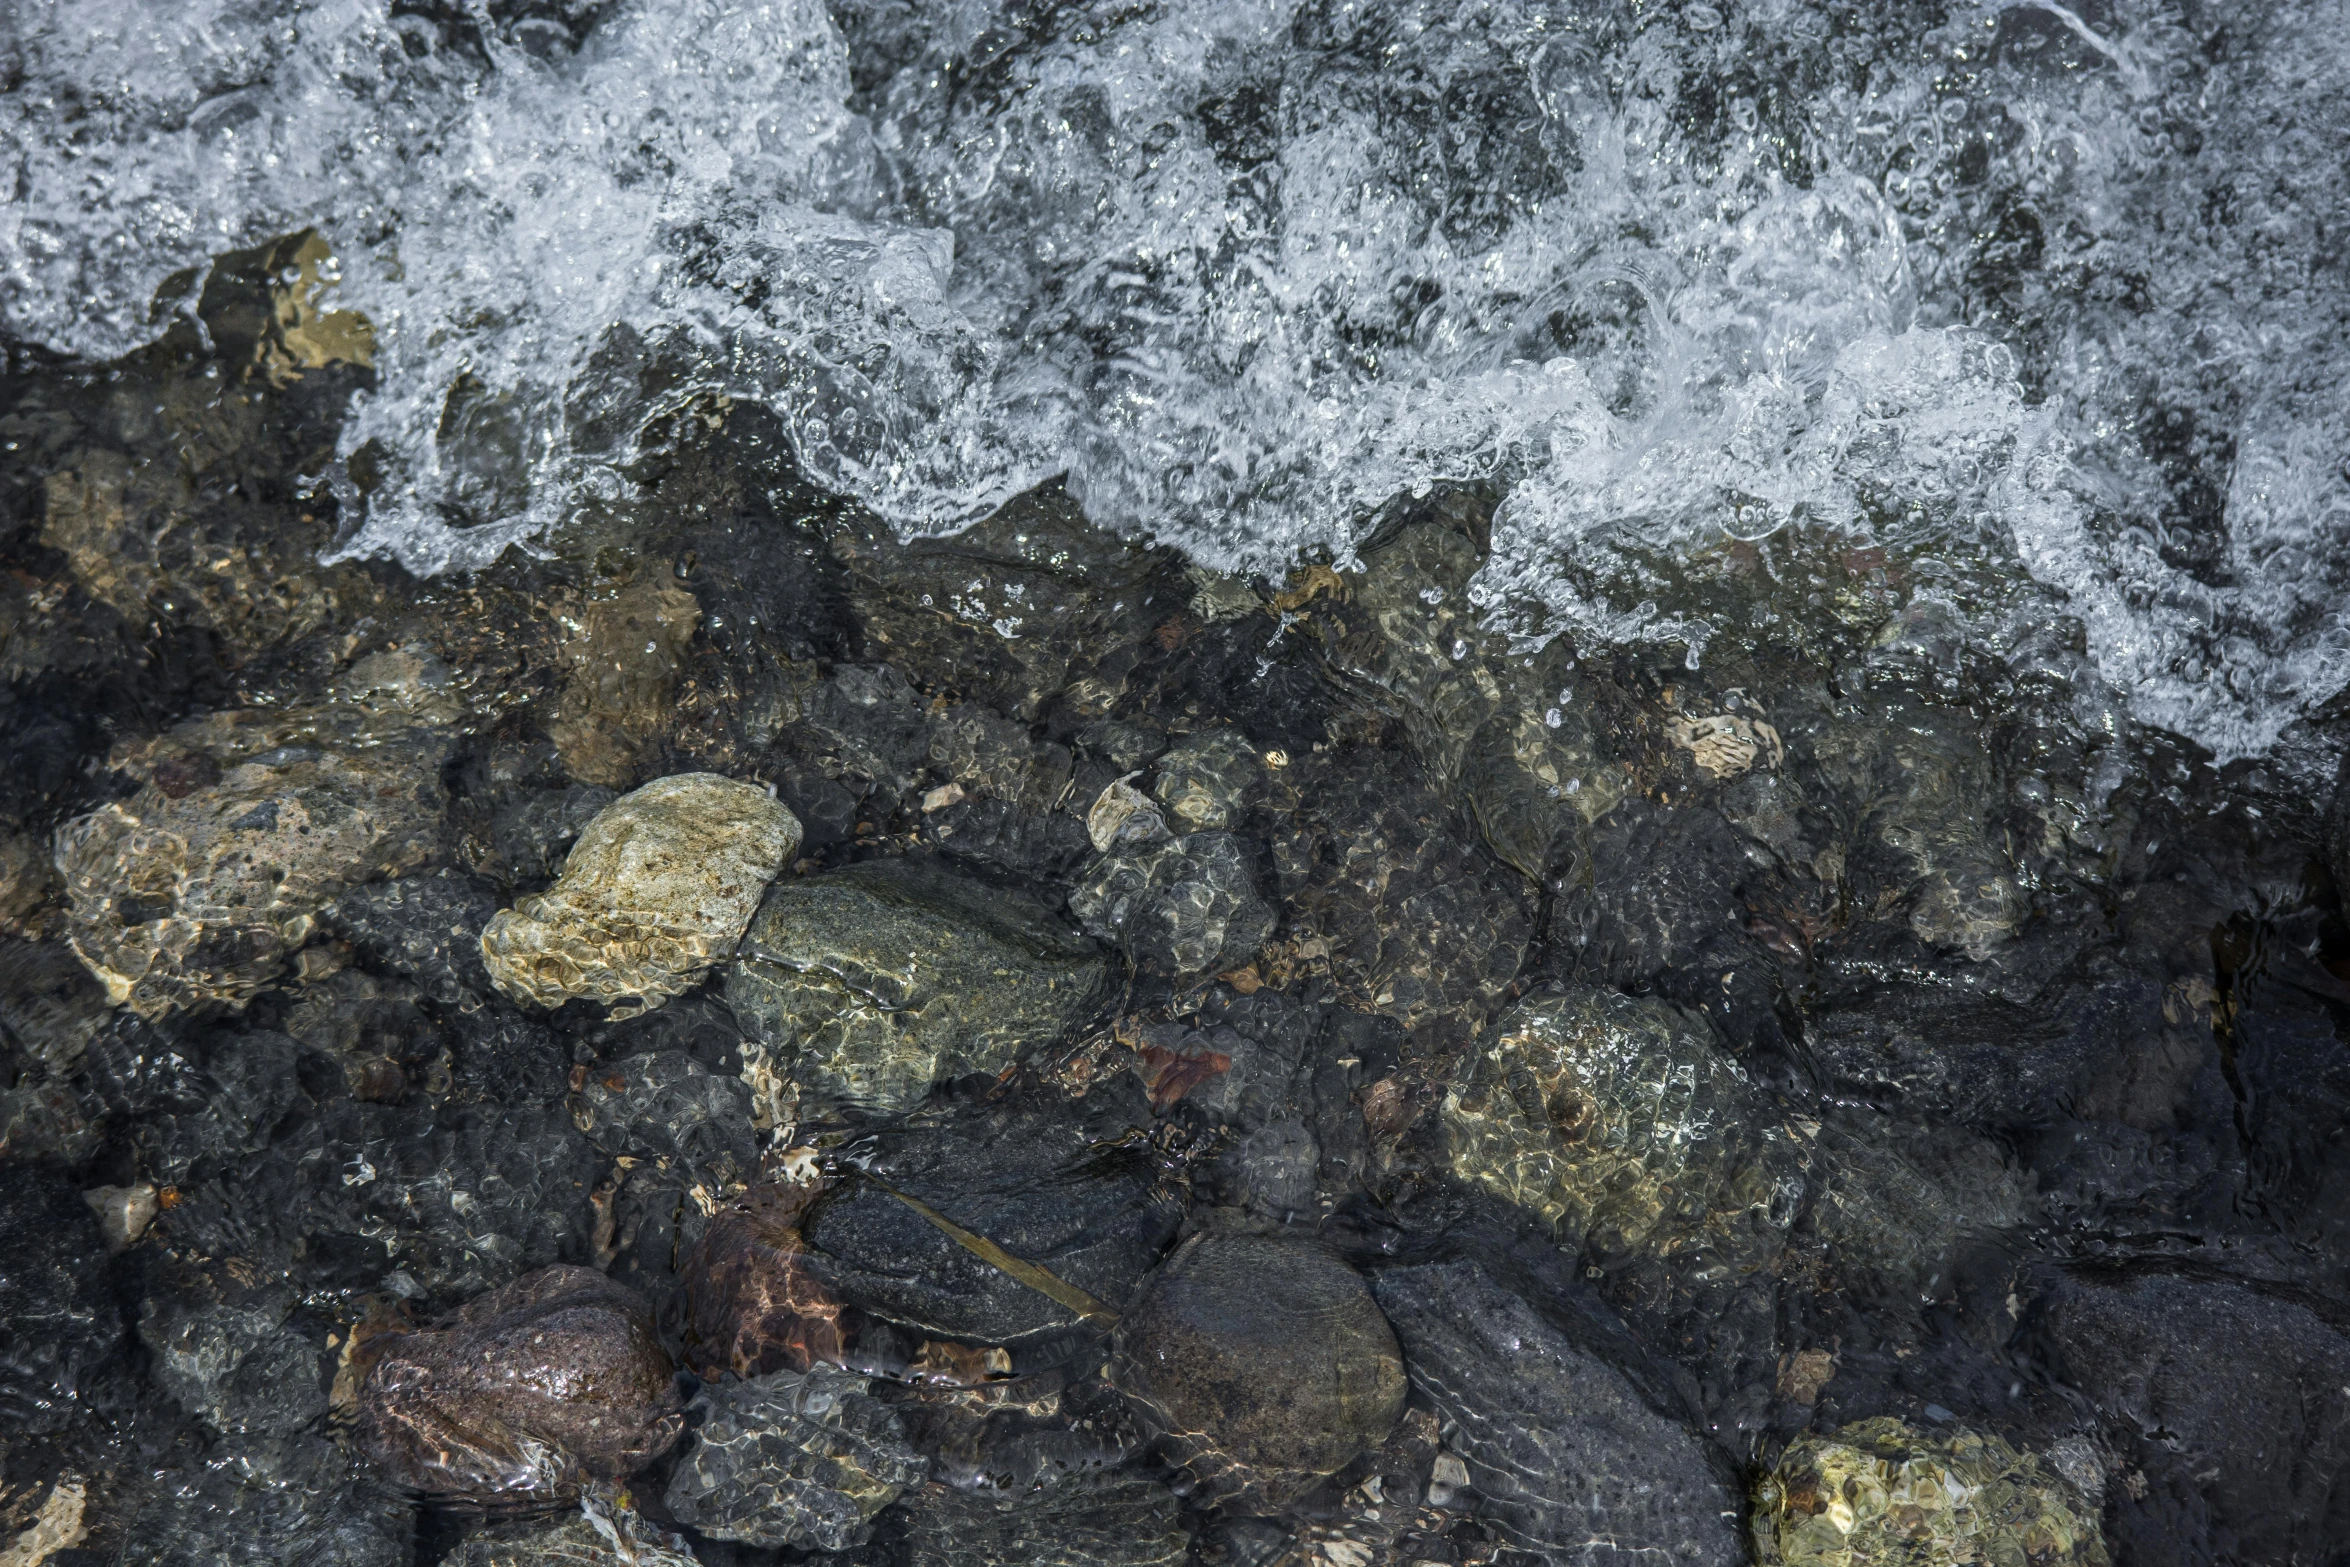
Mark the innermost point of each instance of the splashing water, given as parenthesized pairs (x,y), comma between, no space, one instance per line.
(2047,303)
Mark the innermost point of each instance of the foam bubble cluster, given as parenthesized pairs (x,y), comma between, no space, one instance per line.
(2041,302)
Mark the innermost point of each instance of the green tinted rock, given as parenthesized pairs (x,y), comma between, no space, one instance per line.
(873,982)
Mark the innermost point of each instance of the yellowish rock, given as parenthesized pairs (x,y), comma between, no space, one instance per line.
(200,885)
(658,887)
(1882,1493)
(1615,1119)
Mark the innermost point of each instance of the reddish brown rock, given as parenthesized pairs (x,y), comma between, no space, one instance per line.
(523,1394)
(753,1305)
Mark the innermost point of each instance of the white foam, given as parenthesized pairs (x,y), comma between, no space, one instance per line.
(1244,271)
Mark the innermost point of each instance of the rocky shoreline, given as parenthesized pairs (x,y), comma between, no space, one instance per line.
(742,1039)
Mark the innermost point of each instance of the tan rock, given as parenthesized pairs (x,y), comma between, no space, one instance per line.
(658,887)
(190,891)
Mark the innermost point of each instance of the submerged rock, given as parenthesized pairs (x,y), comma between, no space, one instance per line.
(238,1369)
(179,896)
(523,1394)
(792,1459)
(1181,908)
(262,1503)
(624,654)
(1113,1520)
(595,1536)
(873,982)
(1035,1183)
(658,887)
(1616,1119)
(666,1106)
(751,1304)
(1260,1357)
(1208,780)
(1884,1491)
(1558,1446)
(58,1319)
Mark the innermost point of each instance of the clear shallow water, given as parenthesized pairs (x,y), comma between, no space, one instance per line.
(2049,306)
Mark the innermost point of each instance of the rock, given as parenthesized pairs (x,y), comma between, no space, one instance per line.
(523,1394)
(202,895)
(752,1304)
(58,1318)
(1559,1447)
(1261,1357)
(1271,1172)
(531,834)
(1112,1520)
(124,1212)
(423,928)
(50,1008)
(1380,894)
(1181,908)
(1122,817)
(1036,1183)
(237,1369)
(623,659)
(1616,1120)
(614,1535)
(2224,1404)
(1208,781)
(1882,1490)
(792,1459)
(666,1106)
(658,887)
(873,982)
(262,1502)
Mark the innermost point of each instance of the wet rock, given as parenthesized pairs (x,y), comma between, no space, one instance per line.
(666,1106)
(792,1459)
(1920,786)
(1013,609)
(1116,1520)
(50,1008)
(1260,1357)
(176,899)
(124,1212)
(1016,1441)
(1651,887)
(531,834)
(873,982)
(523,1394)
(258,1502)
(1182,908)
(1122,817)
(624,653)
(1882,1490)
(423,928)
(1559,1449)
(1506,737)
(1617,1120)
(658,887)
(58,1319)
(1036,1183)
(1046,846)
(238,1369)
(1208,781)
(752,1304)
(1407,919)
(2224,1403)
(458,1201)
(1271,1172)
(597,1535)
